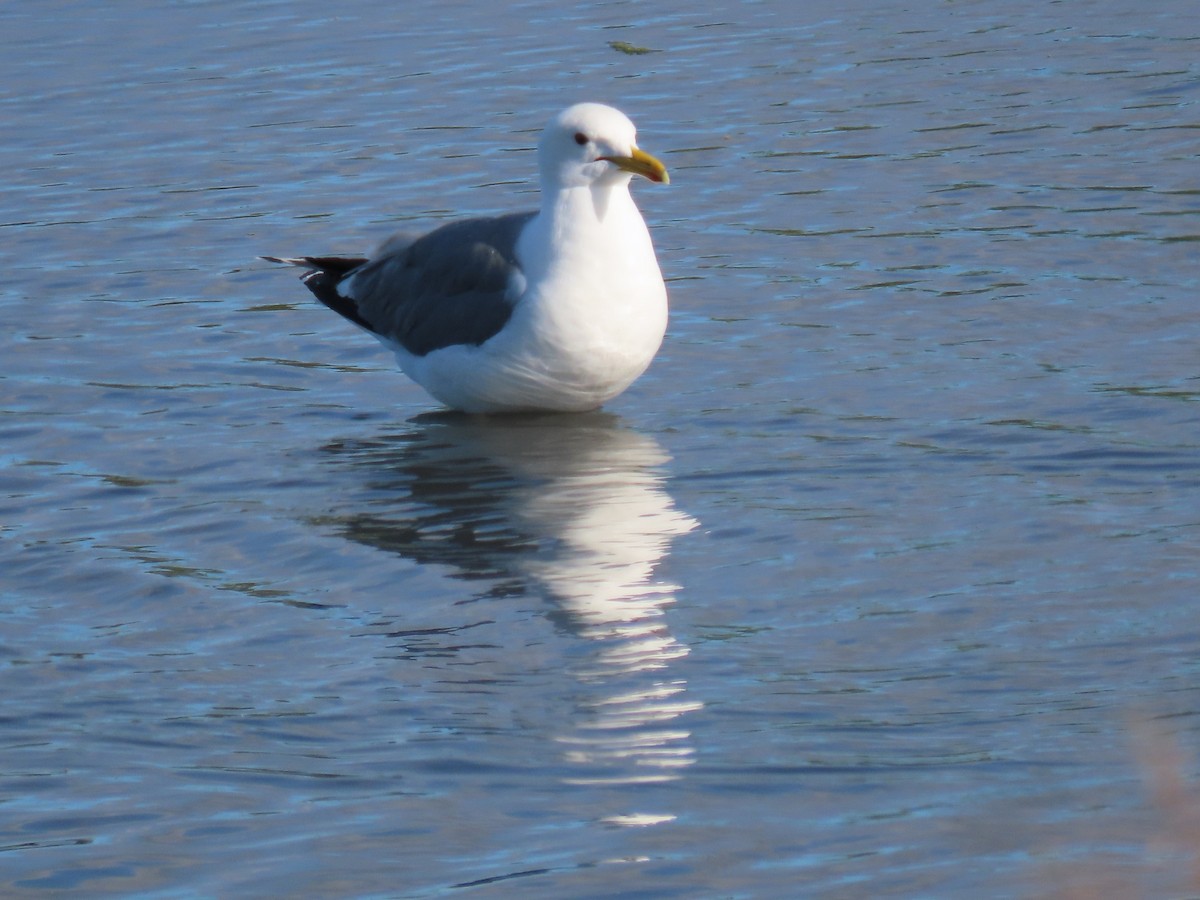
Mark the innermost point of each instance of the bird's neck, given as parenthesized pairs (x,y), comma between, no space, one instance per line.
(586,206)
(585,229)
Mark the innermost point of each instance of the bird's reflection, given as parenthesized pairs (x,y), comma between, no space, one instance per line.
(574,508)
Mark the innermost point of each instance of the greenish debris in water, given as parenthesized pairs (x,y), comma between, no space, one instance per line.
(630,49)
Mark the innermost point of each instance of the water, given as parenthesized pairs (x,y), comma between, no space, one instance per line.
(882,582)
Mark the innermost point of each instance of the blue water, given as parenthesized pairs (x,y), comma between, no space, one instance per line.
(881,582)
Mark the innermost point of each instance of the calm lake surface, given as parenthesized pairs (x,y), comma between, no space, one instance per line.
(883,581)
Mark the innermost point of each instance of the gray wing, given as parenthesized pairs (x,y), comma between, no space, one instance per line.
(447,287)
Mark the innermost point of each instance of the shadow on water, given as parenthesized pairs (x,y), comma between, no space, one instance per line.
(570,508)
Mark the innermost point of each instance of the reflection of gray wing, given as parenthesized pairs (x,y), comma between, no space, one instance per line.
(448,287)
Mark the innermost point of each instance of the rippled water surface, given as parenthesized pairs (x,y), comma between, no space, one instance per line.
(882,582)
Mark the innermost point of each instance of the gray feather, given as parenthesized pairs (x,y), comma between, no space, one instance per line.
(448,287)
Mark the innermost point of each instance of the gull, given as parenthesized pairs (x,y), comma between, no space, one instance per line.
(560,309)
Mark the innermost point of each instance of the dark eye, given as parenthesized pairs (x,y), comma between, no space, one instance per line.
(580,138)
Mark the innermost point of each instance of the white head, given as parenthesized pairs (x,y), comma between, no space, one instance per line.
(590,143)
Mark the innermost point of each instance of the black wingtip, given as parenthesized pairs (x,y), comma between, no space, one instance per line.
(324,275)
(335,265)
(323,283)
